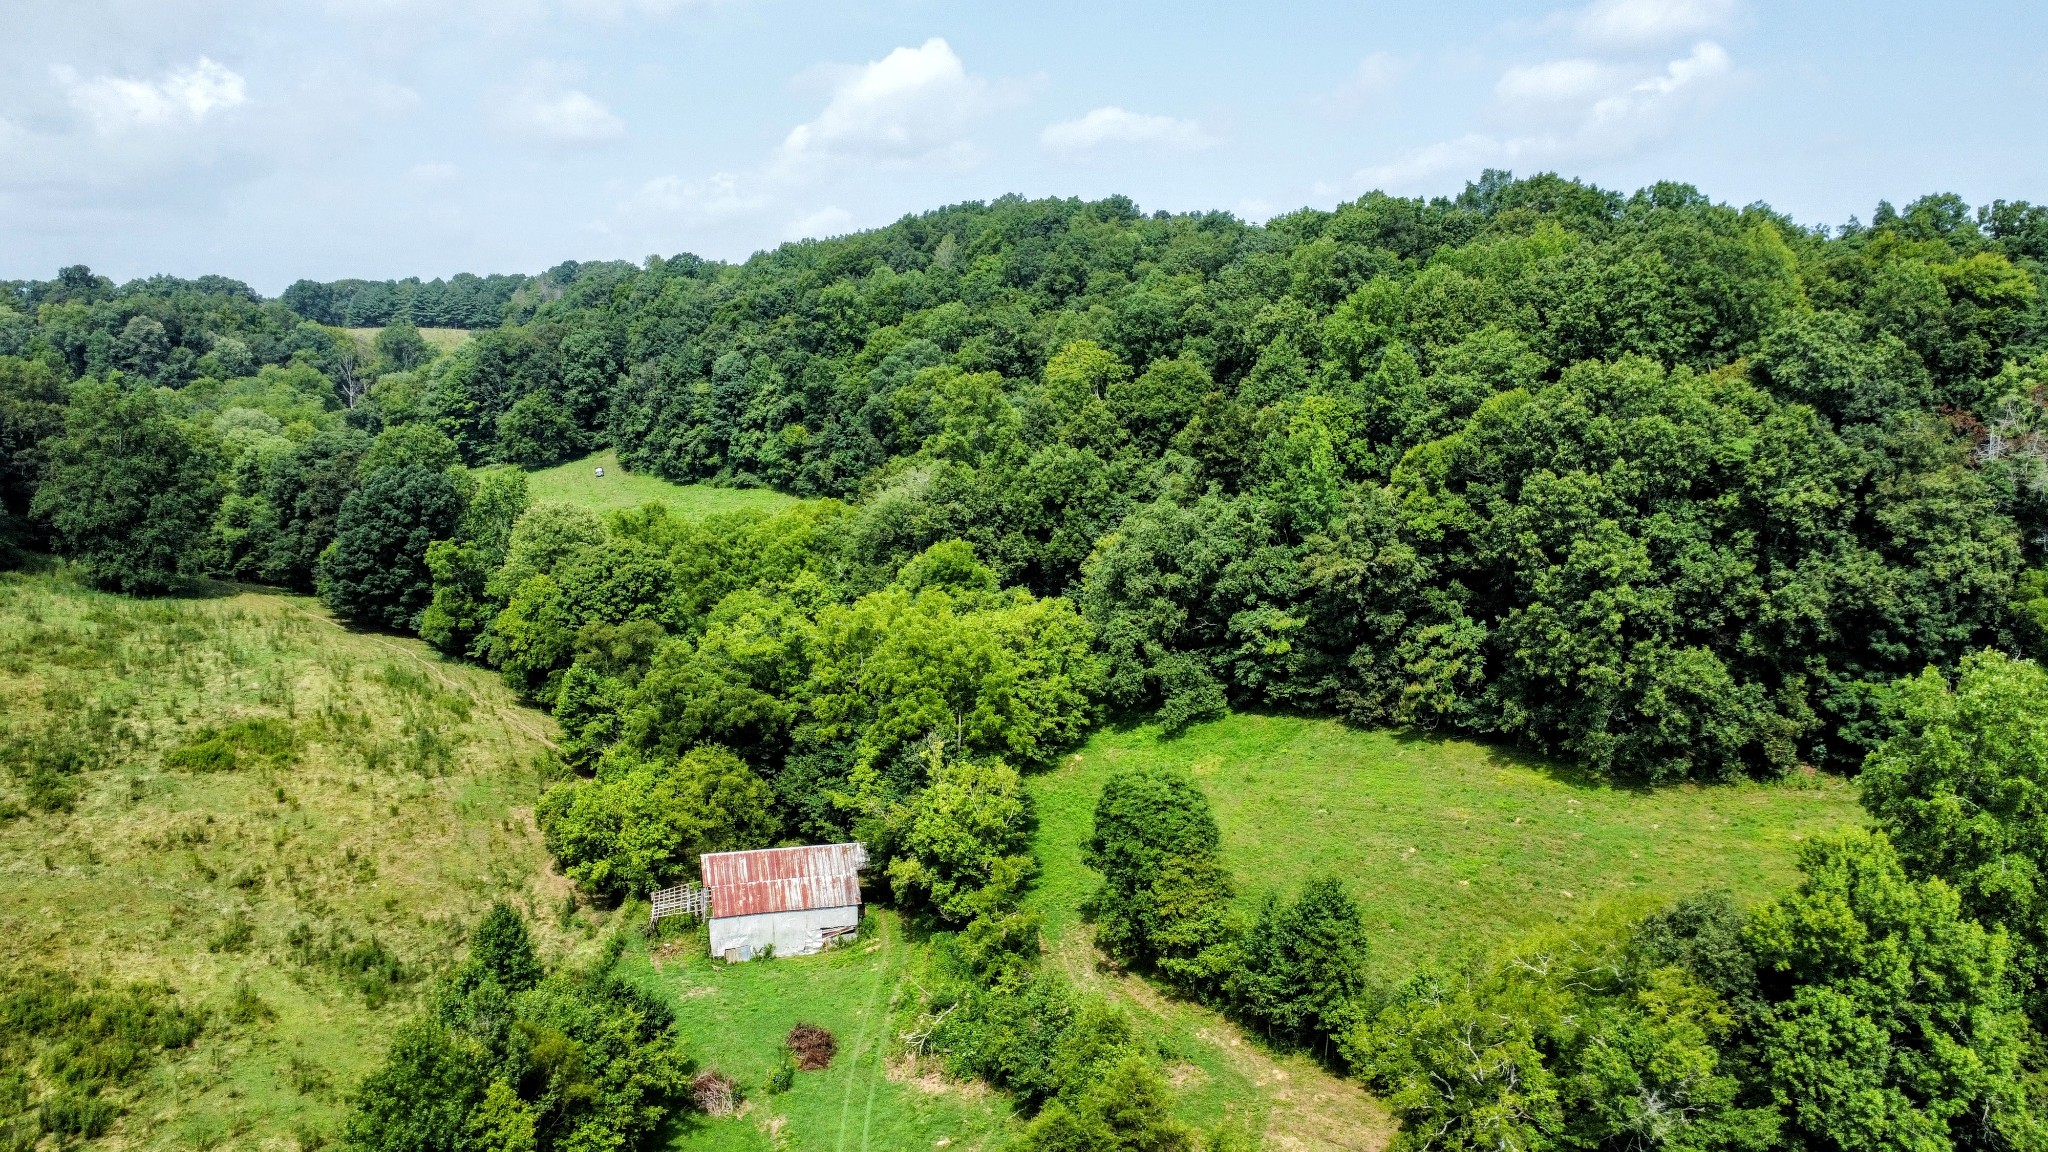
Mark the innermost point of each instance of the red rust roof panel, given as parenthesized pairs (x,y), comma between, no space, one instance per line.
(783,879)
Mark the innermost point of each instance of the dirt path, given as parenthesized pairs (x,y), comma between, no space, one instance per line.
(1309,1110)
(870,1045)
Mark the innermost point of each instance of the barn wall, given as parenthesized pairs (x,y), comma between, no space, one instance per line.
(792,933)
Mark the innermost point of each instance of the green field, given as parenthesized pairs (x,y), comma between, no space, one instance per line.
(439,339)
(873,1098)
(577,483)
(1449,845)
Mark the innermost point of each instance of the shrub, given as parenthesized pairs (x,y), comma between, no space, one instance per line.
(580,1060)
(234,933)
(1300,970)
(265,738)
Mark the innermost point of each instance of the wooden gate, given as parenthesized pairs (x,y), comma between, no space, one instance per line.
(682,900)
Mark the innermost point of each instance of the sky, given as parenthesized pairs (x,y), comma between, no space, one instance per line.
(276,140)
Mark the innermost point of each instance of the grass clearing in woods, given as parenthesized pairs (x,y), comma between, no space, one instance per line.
(737,1017)
(439,339)
(577,483)
(289,825)
(1449,845)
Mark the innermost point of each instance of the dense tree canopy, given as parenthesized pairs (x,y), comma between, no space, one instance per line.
(1673,490)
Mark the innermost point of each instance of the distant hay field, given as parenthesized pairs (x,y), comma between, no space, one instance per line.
(441,339)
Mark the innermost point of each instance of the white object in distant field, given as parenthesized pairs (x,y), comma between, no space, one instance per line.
(600,473)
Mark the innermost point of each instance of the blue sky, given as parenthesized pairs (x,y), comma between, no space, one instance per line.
(384,138)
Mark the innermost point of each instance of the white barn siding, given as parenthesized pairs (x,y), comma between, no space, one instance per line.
(798,932)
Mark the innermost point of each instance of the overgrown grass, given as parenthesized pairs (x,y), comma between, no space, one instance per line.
(577,483)
(872,1098)
(440,339)
(240,813)
(1450,846)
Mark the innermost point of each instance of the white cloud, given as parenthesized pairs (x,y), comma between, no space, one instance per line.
(820,224)
(914,102)
(181,96)
(1113,125)
(722,194)
(1632,24)
(550,111)
(1375,77)
(1553,82)
(1567,111)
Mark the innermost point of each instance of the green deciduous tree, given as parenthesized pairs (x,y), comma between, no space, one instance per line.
(375,571)
(1892,1021)
(1962,792)
(1165,897)
(129,494)
(966,850)
(642,823)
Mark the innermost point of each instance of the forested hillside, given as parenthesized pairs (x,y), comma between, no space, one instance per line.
(1658,484)
(1653,488)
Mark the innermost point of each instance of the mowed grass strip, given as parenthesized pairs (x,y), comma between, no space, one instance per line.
(578,484)
(736,1016)
(1450,846)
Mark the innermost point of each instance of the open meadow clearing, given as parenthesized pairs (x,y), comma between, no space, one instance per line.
(1449,845)
(578,484)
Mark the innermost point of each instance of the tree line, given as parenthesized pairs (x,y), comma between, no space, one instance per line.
(465,300)
(1660,485)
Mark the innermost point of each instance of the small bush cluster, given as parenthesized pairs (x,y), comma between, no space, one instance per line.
(514,1058)
(48,760)
(364,966)
(70,1049)
(1296,973)
(263,740)
(997,1013)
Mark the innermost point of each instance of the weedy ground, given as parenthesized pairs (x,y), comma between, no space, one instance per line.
(230,807)
(577,483)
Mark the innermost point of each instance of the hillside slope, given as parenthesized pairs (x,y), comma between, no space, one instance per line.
(1449,845)
(288,825)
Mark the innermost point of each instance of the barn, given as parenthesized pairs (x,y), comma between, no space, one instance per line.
(794,900)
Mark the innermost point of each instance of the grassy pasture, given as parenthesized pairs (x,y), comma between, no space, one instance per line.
(439,339)
(577,483)
(1449,845)
(871,1099)
(290,825)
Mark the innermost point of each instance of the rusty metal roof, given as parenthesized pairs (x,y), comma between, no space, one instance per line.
(783,879)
